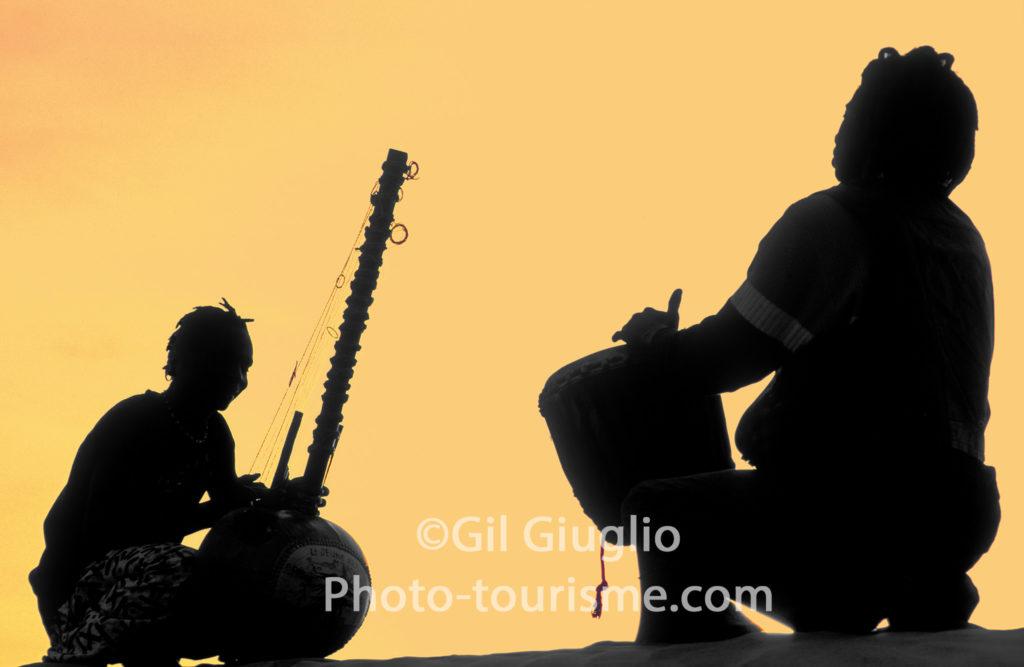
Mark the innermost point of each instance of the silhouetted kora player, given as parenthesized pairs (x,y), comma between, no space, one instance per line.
(111,582)
(871,301)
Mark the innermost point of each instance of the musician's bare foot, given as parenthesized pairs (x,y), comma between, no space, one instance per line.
(683,627)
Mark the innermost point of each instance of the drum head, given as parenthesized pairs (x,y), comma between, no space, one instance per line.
(616,421)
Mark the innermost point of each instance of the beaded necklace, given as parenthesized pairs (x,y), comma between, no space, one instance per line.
(181,427)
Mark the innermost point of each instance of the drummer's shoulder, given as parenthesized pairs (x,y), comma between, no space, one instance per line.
(819,215)
(820,205)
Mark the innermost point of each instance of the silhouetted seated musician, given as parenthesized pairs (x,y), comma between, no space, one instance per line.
(111,578)
(872,303)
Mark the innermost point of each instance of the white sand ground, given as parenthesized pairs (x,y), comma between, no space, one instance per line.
(973,647)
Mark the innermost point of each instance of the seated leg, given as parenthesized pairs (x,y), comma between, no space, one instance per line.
(735,531)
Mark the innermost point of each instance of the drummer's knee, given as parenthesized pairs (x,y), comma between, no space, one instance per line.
(666,502)
(646,500)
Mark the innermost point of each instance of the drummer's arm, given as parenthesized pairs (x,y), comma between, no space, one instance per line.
(722,353)
(806,279)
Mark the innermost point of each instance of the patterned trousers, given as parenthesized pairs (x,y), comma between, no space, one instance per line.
(119,601)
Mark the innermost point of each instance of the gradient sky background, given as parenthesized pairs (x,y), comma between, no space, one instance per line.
(579,161)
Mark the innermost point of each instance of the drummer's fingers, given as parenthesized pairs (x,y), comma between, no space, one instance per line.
(625,333)
(638,322)
(674,301)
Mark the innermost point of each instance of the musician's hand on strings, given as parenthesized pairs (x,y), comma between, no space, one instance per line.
(245,492)
(644,327)
(251,487)
(250,479)
(296,495)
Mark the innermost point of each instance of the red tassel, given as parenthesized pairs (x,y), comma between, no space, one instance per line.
(598,606)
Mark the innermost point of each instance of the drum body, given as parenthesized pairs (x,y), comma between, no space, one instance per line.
(617,421)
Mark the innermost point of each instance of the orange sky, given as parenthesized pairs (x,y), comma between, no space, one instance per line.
(580,160)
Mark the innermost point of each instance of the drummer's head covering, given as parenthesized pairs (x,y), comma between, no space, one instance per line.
(910,124)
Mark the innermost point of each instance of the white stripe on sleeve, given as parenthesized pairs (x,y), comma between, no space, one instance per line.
(769,318)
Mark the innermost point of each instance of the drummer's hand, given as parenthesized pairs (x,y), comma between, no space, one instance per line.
(645,326)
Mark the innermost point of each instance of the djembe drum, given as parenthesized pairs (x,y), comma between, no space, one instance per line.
(616,421)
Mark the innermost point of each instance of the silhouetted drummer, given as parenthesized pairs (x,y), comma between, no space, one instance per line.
(872,303)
